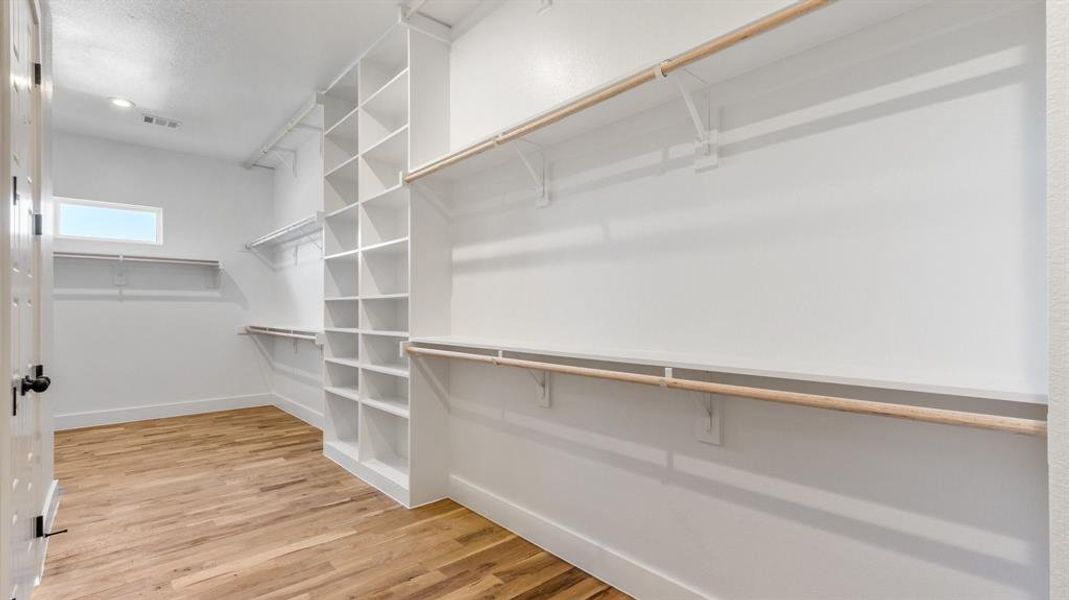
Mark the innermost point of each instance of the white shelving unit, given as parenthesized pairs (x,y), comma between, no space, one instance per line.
(372,129)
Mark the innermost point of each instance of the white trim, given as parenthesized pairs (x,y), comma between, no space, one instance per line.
(60,201)
(1058,293)
(161,411)
(296,409)
(623,572)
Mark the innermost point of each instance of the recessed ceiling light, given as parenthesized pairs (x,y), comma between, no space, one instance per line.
(122,102)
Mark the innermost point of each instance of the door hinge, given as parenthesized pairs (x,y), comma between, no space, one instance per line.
(15,190)
(39,528)
(14,401)
(37,73)
(38,224)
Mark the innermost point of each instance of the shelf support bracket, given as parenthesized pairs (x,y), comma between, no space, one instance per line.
(542,380)
(708,424)
(538,174)
(119,279)
(707,140)
(291,163)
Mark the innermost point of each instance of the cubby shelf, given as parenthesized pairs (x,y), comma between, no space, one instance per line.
(394,246)
(383,193)
(386,370)
(341,99)
(340,167)
(384,333)
(341,211)
(391,149)
(394,94)
(345,362)
(348,393)
(391,98)
(392,467)
(344,118)
(350,254)
(348,449)
(392,406)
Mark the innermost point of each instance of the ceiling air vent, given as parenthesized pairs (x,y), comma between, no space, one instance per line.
(161,121)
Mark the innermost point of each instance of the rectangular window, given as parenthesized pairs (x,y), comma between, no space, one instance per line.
(108,221)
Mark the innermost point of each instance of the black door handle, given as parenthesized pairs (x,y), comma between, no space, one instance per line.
(36,384)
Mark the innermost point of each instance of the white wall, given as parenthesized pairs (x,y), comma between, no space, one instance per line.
(169,338)
(1058,239)
(296,370)
(539,60)
(878,212)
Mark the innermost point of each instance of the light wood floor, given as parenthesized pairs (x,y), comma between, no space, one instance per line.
(242,504)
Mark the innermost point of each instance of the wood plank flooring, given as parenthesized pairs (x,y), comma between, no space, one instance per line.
(242,504)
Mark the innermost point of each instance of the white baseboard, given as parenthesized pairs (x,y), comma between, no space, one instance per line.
(611,566)
(160,411)
(302,412)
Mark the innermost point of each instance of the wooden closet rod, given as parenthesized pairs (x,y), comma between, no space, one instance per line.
(865,407)
(598,96)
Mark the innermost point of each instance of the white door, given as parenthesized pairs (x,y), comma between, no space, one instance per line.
(21,428)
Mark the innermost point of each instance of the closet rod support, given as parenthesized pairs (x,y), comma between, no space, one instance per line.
(542,379)
(538,174)
(910,412)
(708,425)
(707,137)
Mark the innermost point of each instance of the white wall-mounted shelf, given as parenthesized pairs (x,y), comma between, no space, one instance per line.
(616,102)
(302,228)
(693,362)
(294,333)
(171,260)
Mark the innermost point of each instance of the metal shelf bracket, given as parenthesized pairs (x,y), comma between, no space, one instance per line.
(707,139)
(537,173)
(291,162)
(708,424)
(542,380)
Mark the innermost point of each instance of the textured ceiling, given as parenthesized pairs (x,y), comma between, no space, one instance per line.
(232,71)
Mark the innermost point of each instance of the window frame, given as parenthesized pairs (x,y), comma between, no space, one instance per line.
(60,201)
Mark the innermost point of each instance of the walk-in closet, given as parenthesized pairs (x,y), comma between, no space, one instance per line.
(535,299)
